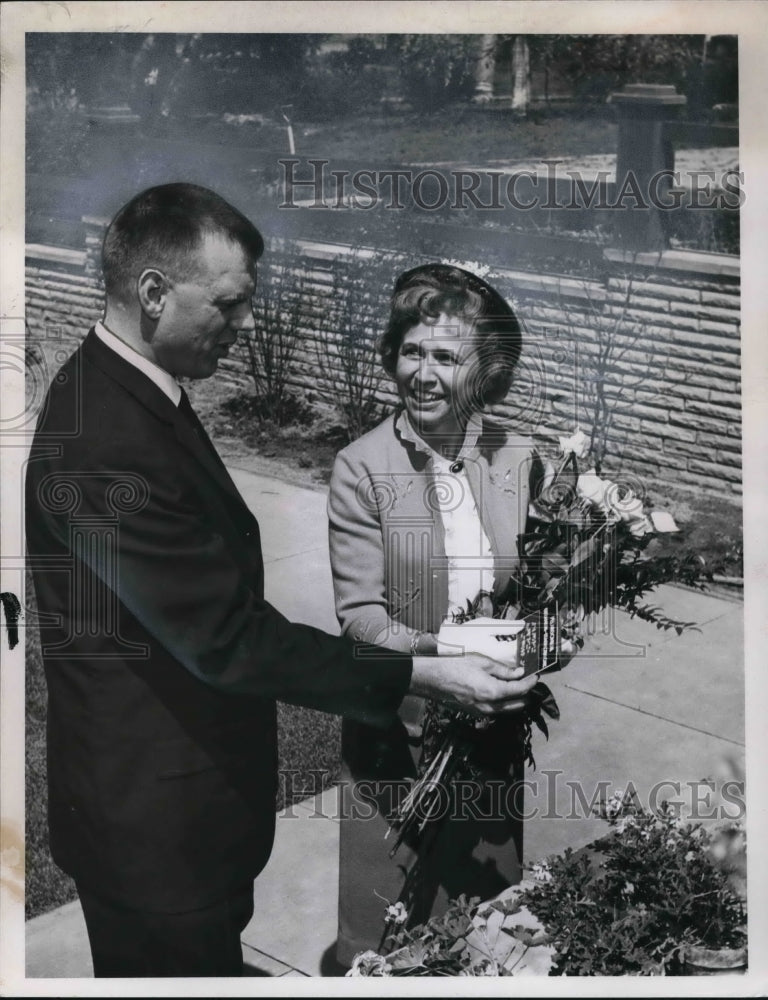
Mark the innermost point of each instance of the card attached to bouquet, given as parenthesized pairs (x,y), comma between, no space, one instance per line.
(533,642)
(539,642)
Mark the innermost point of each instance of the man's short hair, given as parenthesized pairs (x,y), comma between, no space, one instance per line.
(162,227)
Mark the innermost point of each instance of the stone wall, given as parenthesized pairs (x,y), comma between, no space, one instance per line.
(673,321)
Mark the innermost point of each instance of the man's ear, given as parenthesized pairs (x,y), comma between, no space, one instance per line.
(152,289)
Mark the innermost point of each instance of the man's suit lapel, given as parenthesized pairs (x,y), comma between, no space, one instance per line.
(150,396)
(203,452)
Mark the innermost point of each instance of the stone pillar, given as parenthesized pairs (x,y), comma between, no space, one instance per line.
(644,151)
(486,64)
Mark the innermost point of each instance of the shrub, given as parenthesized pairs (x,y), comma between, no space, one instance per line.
(633,902)
(354,310)
(270,351)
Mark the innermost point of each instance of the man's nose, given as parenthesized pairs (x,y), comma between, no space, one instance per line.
(243,320)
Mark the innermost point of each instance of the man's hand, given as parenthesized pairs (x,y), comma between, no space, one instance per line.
(472,682)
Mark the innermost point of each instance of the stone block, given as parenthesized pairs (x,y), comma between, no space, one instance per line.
(701,422)
(729,317)
(731,330)
(657,414)
(638,319)
(685,390)
(722,300)
(721,286)
(717,469)
(686,448)
(705,341)
(726,398)
(706,358)
(675,433)
(712,410)
(653,431)
(720,441)
(696,479)
(703,381)
(657,290)
(669,400)
(637,301)
(692,309)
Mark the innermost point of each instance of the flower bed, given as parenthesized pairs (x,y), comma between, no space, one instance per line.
(643,900)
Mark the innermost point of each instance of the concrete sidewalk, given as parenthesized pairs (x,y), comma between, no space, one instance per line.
(641,706)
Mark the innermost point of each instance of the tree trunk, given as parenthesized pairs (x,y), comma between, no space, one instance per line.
(521,68)
(486,64)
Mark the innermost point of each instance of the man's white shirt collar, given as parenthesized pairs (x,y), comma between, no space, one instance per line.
(162,379)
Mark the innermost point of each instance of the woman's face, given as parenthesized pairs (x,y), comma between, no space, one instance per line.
(435,371)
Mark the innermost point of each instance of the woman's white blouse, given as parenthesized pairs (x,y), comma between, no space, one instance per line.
(467,549)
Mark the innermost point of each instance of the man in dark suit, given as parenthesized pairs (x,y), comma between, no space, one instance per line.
(163,660)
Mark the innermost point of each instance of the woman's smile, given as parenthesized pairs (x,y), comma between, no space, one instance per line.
(425,398)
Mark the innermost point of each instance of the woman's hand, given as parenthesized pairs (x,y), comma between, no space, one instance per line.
(473,682)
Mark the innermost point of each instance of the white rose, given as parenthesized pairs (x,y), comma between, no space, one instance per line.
(578,443)
(369,963)
(592,488)
(629,509)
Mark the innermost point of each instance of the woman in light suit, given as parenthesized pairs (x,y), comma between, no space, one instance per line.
(425,512)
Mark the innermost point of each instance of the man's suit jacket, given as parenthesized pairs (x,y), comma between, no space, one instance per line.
(162,658)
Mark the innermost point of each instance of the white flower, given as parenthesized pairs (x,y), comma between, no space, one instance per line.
(625,506)
(614,804)
(485,967)
(578,443)
(628,890)
(604,495)
(540,872)
(626,823)
(591,487)
(690,855)
(397,913)
(370,963)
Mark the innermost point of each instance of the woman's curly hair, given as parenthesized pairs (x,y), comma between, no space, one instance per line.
(424,293)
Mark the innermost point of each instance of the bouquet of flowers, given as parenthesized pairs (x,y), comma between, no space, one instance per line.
(589,544)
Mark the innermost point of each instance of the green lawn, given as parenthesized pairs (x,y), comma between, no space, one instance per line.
(46,886)
(460,133)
